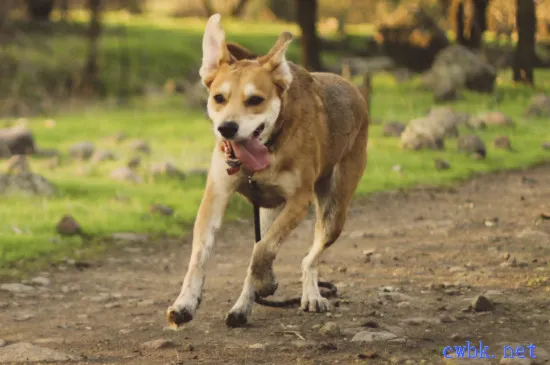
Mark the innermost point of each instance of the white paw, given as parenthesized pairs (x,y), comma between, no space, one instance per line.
(315,303)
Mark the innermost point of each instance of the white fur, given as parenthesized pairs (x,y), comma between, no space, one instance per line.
(249,90)
(311,296)
(225,88)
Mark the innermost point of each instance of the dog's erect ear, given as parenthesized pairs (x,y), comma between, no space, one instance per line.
(275,61)
(214,49)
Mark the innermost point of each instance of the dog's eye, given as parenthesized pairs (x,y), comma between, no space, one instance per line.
(218,98)
(254,100)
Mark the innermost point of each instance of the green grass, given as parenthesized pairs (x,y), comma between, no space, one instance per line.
(169,49)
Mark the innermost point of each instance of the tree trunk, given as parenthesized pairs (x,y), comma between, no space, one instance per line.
(207,5)
(524,58)
(65,10)
(470,22)
(237,11)
(39,10)
(90,79)
(306,12)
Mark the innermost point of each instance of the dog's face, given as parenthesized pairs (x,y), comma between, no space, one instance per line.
(245,95)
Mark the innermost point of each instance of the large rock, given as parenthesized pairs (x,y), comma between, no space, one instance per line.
(430,131)
(82,150)
(472,145)
(456,68)
(27,183)
(27,352)
(539,106)
(494,118)
(17,140)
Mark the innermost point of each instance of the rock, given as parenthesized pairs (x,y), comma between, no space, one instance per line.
(40,280)
(539,106)
(471,144)
(393,129)
(27,183)
(68,226)
(502,142)
(167,169)
(441,164)
(367,336)
(370,324)
(140,145)
(16,288)
(103,155)
(422,133)
(330,329)
(455,68)
(532,234)
(82,150)
(482,304)
(395,297)
(27,352)
(188,348)
(546,146)
(327,346)
(157,344)
(161,209)
(125,174)
(367,355)
(257,346)
(17,140)
(118,137)
(134,162)
(493,118)
(3,343)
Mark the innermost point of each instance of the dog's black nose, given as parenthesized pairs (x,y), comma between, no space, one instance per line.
(228,129)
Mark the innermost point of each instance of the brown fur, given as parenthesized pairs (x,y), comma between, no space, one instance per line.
(319,157)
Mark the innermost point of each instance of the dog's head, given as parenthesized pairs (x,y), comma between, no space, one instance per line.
(245,93)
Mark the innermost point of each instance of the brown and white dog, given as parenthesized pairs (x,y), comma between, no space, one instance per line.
(316,126)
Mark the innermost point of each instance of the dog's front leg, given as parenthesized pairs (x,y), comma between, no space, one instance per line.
(259,275)
(219,189)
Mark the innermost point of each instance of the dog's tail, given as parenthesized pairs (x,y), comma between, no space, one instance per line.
(366,89)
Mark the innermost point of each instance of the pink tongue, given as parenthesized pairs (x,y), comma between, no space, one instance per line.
(252,154)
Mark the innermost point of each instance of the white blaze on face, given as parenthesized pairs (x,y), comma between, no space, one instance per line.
(238,112)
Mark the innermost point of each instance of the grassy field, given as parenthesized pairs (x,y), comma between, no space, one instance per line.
(103,206)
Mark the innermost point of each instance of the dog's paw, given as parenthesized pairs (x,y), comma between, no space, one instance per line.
(236,319)
(266,285)
(316,304)
(178,317)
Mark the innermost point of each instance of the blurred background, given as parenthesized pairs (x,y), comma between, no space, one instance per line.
(53,52)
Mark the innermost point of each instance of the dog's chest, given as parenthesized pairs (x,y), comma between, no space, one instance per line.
(271,190)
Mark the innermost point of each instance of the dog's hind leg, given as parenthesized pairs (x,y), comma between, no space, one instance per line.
(332,198)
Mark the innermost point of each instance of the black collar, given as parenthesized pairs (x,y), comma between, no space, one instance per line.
(273,139)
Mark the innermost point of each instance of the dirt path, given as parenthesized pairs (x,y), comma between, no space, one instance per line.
(433,251)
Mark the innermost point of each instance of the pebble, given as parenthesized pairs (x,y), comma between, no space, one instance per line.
(441,164)
(40,280)
(368,336)
(257,346)
(125,174)
(330,329)
(3,343)
(482,304)
(68,226)
(157,344)
(82,150)
(370,324)
(140,146)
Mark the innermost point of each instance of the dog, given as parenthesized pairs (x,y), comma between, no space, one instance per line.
(301,137)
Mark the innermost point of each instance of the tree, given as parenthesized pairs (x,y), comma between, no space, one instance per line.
(40,10)
(469,19)
(238,9)
(306,13)
(90,78)
(526,22)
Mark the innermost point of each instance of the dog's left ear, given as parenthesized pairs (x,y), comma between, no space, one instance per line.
(214,50)
(275,61)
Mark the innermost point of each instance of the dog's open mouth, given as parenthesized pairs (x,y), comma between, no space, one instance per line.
(251,152)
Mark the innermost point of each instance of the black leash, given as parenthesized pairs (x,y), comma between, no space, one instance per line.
(234,166)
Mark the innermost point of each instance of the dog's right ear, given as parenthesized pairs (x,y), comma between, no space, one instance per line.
(214,50)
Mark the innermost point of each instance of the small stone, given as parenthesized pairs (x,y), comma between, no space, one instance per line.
(3,343)
(367,355)
(161,209)
(118,137)
(140,145)
(157,344)
(125,174)
(103,155)
(367,336)
(496,118)
(441,164)
(535,235)
(456,337)
(134,162)
(257,346)
(472,145)
(369,252)
(370,324)
(539,106)
(82,150)
(482,304)
(24,317)
(342,269)
(403,305)
(327,346)
(503,143)
(445,318)
(546,146)
(397,168)
(393,129)
(166,169)
(16,288)
(68,226)
(330,329)
(188,348)
(40,280)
